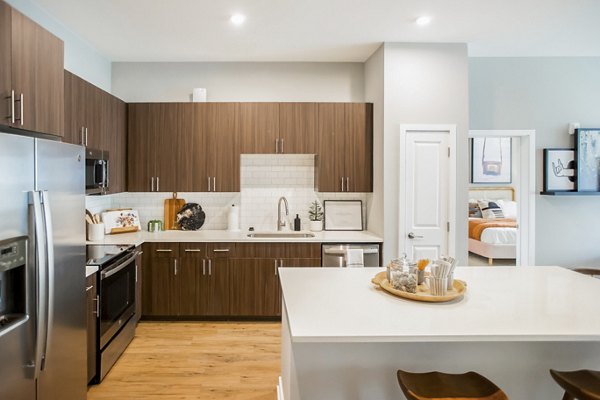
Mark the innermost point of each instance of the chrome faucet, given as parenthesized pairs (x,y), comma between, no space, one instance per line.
(282,223)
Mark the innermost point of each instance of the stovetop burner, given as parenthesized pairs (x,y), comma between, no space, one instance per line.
(103,254)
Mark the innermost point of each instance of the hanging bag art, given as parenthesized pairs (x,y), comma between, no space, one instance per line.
(493,168)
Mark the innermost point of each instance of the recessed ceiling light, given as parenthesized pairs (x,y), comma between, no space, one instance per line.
(238,19)
(422,21)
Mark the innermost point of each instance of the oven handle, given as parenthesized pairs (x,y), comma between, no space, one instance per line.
(119,267)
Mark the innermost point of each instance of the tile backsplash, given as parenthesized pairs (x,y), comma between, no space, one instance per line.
(264,179)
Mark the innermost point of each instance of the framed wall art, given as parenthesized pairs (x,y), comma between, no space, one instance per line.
(587,145)
(491,160)
(560,170)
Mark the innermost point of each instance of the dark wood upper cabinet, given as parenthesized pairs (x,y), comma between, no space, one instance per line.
(223,146)
(114,131)
(140,148)
(345,148)
(258,127)
(298,128)
(330,175)
(31,74)
(358,164)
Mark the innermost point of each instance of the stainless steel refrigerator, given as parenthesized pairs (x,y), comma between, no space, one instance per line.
(42,270)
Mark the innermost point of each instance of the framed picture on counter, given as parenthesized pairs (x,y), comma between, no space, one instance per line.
(587,145)
(559,170)
(343,215)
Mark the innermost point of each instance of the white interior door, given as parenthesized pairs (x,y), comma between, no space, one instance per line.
(426,193)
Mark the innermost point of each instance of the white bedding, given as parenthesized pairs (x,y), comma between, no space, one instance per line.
(499,235)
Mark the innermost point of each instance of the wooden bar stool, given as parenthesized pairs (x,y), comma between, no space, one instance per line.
(582,385)
(440,386)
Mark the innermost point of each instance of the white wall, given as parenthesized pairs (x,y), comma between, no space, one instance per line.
(80,57)
(319,82)
(424,84)
(374,93)
(545,94)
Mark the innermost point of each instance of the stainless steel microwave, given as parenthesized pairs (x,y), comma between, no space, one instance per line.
(96,171)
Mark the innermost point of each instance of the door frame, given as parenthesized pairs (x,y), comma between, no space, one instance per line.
(450,129)
(526,189)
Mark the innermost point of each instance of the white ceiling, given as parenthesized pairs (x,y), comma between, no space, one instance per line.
(326,30)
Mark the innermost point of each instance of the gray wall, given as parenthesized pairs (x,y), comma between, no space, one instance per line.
(424,84)
(545,94)
(241,81)
(374,93)
(80,57)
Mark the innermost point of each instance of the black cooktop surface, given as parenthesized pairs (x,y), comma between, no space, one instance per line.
(103,254)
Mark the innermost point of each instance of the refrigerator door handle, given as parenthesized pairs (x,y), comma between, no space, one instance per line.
(49,270)
(41,285)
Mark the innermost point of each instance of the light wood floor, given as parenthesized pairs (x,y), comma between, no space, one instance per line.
(196,360)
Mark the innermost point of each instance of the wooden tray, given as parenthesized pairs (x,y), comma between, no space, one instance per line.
(172,207)
(423,294)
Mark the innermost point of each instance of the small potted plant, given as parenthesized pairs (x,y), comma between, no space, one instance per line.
(315,215)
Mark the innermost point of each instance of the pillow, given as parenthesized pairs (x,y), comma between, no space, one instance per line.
(509,208)
(490,209)
(474,210)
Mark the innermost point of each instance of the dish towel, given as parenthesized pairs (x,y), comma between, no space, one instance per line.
(354,258)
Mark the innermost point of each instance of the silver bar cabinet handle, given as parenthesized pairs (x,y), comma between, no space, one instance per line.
(163,250)
(152,188)
(97,305)
(175,266)
(21,116)
(342,184)
(347,184)
(275,267)
(214,184)
(276,146)
(11,117)
(157,184)
(204,267)
(208,183)
(192,250)
(281,146)
(86,141)
(221,250)
(209,266)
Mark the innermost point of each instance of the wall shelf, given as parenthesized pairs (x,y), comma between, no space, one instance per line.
(570,193)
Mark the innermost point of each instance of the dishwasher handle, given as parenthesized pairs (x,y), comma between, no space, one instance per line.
(342,252)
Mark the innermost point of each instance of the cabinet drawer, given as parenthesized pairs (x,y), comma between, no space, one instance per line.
(220,250)
(163,250)
(278,250)
(192,250)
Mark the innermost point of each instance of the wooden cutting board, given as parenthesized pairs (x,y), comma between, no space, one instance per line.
(172,206)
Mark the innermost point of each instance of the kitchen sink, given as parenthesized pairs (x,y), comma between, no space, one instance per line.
(281,235)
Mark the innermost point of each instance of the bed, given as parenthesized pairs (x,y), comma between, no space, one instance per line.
(494,238)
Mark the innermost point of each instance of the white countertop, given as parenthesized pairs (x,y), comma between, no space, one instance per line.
(501,304)
(138,238)
(90,269)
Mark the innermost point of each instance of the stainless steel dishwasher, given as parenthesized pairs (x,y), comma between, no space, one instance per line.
(333,255)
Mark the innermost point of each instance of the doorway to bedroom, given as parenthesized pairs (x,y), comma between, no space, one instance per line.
(501,193)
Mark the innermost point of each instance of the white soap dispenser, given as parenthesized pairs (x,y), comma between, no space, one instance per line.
(233,220)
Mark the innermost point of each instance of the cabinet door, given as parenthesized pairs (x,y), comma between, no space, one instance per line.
(140,147)
(215,293)
(138,283)
(23,55)
(117,145)
(161,297)
(330,154)
(91,292)
(254,287)
(298,128)
(258,127)
(5,62)
(300,263)
(186,155)
(49,83)
(95,111)
(200,175)
(166,151)
(191,282)
(358,165)
(223,147)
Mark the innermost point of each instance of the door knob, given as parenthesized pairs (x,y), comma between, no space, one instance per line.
(413,236)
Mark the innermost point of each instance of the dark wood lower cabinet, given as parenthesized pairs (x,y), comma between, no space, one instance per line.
(222,280)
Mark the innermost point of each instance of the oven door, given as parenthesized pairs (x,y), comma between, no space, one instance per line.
(117,297)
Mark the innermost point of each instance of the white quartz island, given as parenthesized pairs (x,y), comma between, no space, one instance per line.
(344,339)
